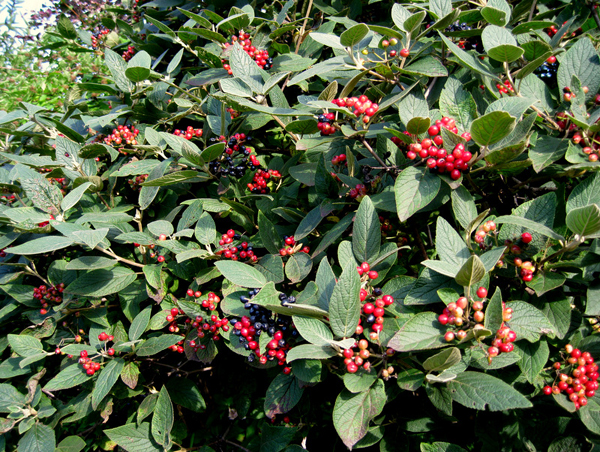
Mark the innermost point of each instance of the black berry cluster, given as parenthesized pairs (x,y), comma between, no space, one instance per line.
(547,71)
(237,157)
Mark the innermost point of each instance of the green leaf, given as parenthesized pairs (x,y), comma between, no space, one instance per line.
(585,193)
(69,377)
(440,8)
(421,332)
(533,358)
(162,419)
(99,283)
(329,40)
(492,127)
(9,396)
(399,15)
(449,244)
(414,105)
(302,127)
(268,234)
(241,274)
(66,28)
(206,229)
(157,344)
(308,370)
(546,281)
(529,322)
(209,76)
(298,267)
(139,324)
(74,196)
(117,67)
(282,395)
(546,151)
(418,125)
(130,374)
(427,66)
(39,438)
(353,35)
(425,289)
(185,393)
(414,21)
(134,438)
(558,314)
(310,351)
(42,245)
(245,68)
(478,390)
(463,206)
(366,233)
(467,59)
(344,304)
(171,178)
(352,413)
(311,220)
(410,379)
(581,61)
(584,221)
(147,194)
(500,44)
(359,382)
(235,86)
(471,272)
(106,380)
(71,444)
(274,439)
(414,189)
(457,103)
(138,68)
(313,330)
(443,360)
(25,345)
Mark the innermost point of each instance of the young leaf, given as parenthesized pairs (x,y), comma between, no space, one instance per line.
(354,35)
(492,127)
(584,221)
(471,272)
(443,360)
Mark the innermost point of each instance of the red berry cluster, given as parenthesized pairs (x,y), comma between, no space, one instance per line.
(99,36)
(438,158)
(62,181)
(8,198)
(358,192)
(259,181)
(456,313)
(292,247)
(87,363)
(128,54)
(582,384)
(505,88)
(122,135)
(503,342)
(359,106)
(482,232)
(277,347)
(46,223)
(527,269)
(355,359)
(233,249)
(551,31)
(137,181)
(260,56)
(589,142)
(325,124)
(339,160)
(209,327)
(234,114)
(189,133)
(173,328)
(209,303)
(45,294)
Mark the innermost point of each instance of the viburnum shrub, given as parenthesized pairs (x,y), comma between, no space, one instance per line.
(307,226)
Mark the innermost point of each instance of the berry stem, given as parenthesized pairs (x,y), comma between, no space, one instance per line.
(374,154)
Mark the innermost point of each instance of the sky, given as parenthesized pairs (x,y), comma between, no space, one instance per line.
(25,9)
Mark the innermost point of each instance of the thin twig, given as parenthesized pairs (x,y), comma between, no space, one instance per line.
(303,28)
(532,10)
(373,153)
(119,258)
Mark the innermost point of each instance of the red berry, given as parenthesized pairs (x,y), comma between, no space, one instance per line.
(373,274)
(482,292)
(526,237)
(404,53)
